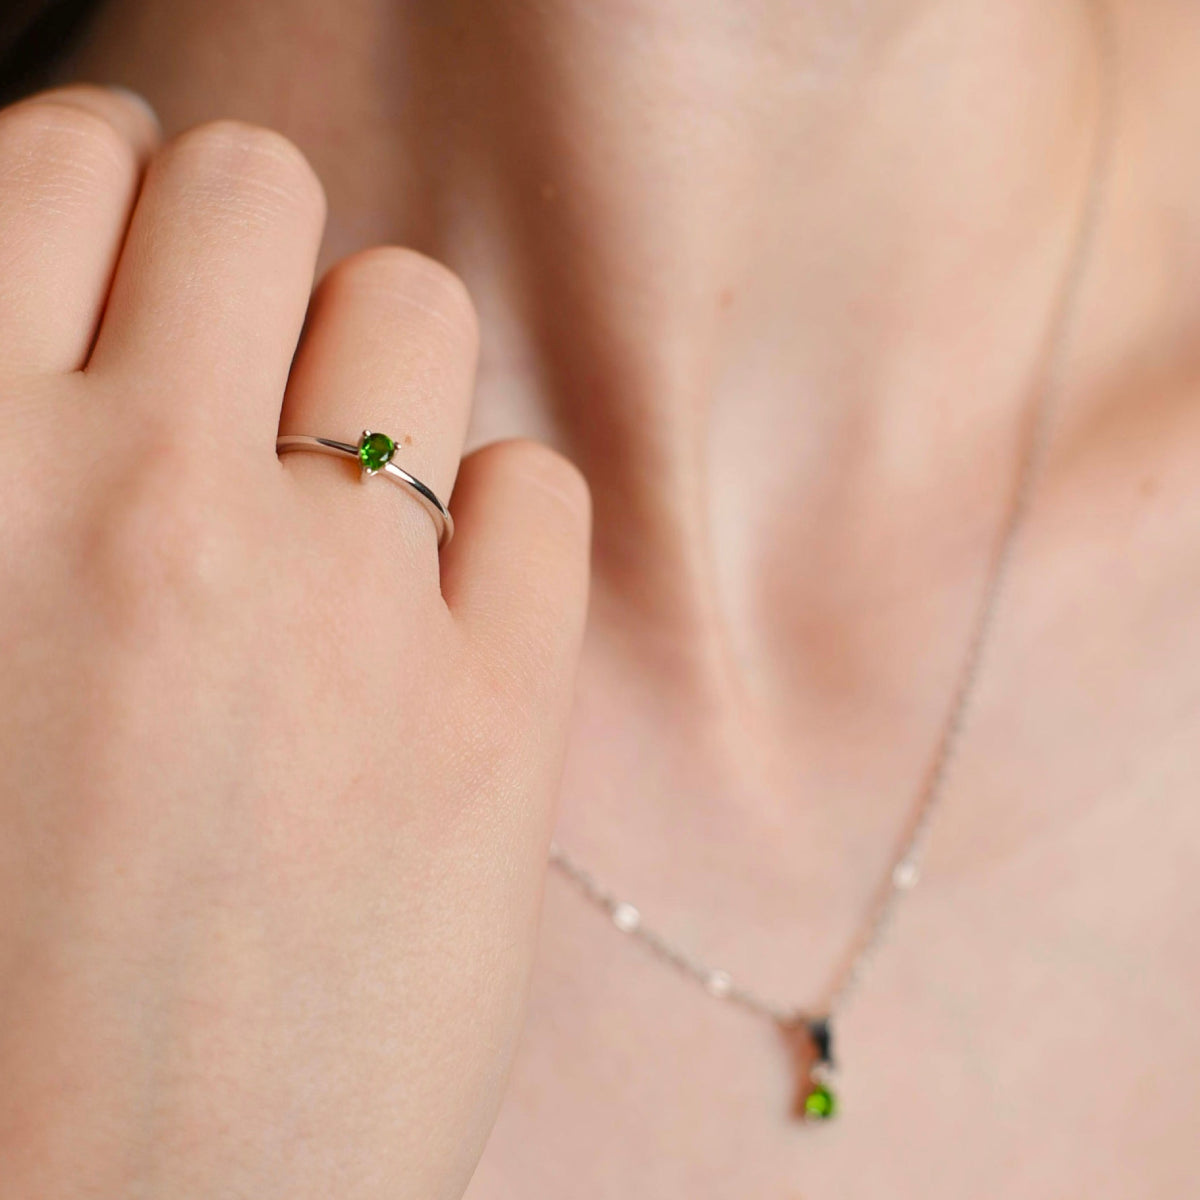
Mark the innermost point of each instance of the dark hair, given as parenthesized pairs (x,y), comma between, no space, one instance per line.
(34,35)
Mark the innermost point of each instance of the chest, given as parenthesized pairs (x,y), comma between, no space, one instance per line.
(1027,1029)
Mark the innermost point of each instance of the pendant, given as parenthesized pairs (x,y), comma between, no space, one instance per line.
(810,1040)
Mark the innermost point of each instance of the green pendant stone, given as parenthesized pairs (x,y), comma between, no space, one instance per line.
(820,1104)
(375,451)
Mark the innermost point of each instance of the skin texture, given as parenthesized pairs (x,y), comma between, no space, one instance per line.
(274,804)
(777,277)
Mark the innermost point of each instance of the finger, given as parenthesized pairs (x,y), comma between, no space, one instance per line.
(390,346)
(516,574)
(70,163)
(211,289)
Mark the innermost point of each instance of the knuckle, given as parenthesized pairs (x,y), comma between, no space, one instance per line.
(234,159)
(161,552)
(406,276)
(552,476)
(75,141)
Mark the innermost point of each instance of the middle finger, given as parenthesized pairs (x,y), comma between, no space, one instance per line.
(212,286)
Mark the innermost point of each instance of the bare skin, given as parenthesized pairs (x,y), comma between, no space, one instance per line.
(277,781)
(777,282)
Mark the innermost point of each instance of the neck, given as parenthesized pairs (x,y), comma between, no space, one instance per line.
(733,259)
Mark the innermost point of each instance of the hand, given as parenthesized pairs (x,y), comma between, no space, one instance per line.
(275,784)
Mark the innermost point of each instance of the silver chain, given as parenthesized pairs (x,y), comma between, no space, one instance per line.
(904,870)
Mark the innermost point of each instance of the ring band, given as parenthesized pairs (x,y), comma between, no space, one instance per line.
(374,455)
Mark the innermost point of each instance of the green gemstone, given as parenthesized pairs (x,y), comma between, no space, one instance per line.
(375,451)
(820,1104)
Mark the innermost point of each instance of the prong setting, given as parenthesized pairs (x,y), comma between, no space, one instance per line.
(375,451)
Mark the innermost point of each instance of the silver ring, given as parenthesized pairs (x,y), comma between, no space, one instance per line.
(374,455)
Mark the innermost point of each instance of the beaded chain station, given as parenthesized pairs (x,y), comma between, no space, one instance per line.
(810,1031)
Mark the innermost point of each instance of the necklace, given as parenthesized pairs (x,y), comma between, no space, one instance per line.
(808,1032)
